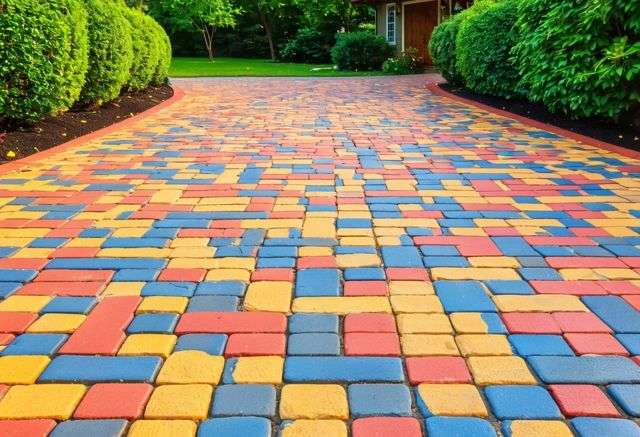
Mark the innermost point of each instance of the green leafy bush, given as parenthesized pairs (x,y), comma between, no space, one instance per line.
(582,58)
(483,49)
(110,52)
(43,57)
(145,50)
(164,55)
(309,45)
(76,67)
(442,47)
(407,62)
(360,51)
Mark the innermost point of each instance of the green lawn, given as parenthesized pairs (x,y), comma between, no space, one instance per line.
(202,67)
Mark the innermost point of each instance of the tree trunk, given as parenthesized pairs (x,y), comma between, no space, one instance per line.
(267,29)
(207,34)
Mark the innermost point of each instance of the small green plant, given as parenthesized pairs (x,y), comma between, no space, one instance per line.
(407,62)
(110,52)
(360,51)
(309,46)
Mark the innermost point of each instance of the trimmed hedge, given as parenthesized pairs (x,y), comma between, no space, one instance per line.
(442,47)
(145,50)
(77,64)
(164,55)
(110,53)
(360,51)
(44,57)
(483,49)
(59,52)
(581,58)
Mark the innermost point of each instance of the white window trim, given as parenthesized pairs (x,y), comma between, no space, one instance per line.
(395,24)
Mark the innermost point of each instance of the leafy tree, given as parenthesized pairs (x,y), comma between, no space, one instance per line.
(267,12)
(330,16)
(204,15)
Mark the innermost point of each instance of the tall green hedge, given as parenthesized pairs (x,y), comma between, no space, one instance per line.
(110,52)
(43,57)
(483,50)
(77,63)
(442,47)
(145,50)
(580,57)
(55,53)
(164,55)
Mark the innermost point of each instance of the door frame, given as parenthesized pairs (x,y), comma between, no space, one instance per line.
(410,2)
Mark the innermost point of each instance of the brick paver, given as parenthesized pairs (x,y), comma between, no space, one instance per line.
(336,257)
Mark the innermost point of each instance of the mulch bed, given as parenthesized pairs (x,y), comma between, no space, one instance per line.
(623,134)
(52,131)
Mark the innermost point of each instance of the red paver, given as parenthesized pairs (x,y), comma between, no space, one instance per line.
(16,322)
(436,370)
(365,288)
(255,344)
(602,344)
(369,322)
(114,401)
(26,428)
(375,344)
(102,332)
(223,323)
(74,275)
(191,275)
(530,323)
(386,427)
(276,274)
(44,288)
(583,400)
(580,322)
(407,274)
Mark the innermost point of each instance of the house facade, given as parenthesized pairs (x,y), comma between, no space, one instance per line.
(406,24)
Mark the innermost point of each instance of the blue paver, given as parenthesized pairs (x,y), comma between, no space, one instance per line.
(80,368)
(379,400)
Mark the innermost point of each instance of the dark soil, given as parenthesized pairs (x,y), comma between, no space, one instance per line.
(26,140)
(624,134)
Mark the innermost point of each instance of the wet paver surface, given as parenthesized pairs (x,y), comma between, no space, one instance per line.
(321,257)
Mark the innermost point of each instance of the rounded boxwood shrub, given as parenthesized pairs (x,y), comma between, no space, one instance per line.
(483,50)
(442,47)
(145,50)
(43,57)
(582,58)
(309,45)
(110,52)
(164,55)
(78,63)
(360,51)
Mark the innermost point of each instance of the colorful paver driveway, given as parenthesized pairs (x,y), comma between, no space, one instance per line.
(321,258)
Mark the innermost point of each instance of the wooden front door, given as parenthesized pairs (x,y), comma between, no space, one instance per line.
(419,21)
